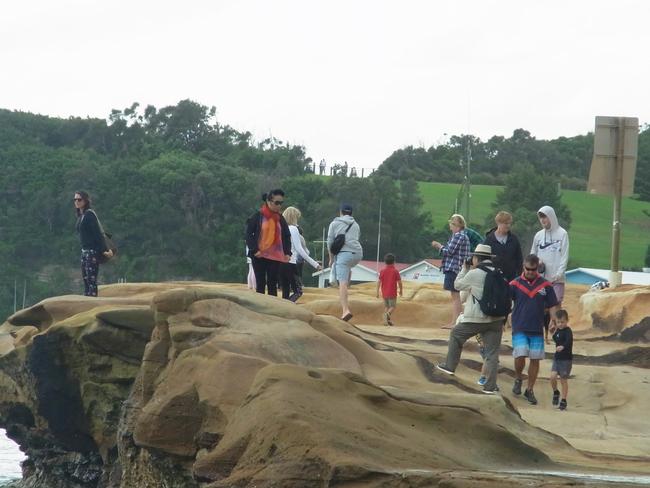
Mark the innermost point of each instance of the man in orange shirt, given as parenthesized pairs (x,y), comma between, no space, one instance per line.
(389,278)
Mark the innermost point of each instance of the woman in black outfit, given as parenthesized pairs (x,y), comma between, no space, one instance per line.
(269,241)
(92,242)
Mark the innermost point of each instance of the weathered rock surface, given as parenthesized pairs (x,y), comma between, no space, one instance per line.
(204,385)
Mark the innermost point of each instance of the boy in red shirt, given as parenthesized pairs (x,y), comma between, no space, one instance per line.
(389,278)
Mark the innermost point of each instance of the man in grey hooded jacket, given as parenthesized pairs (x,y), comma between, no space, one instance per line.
(551,245)
(349,255)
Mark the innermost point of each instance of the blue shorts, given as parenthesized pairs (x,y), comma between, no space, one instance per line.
(343,264)
(450,277)
(562,367)
(528,345)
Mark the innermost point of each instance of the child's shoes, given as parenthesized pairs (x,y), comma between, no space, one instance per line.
(556,397)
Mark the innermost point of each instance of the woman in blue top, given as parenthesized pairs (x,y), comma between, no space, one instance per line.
(454,254)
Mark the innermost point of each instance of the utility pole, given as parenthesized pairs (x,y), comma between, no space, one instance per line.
(468,191)
(618,196)
(465,193)
(378,236)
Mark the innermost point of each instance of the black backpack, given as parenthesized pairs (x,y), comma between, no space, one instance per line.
(497,298)
(339,240)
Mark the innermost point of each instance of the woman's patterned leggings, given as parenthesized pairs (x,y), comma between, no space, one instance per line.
(89,271)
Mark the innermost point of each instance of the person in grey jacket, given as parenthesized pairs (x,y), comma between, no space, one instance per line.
(473,321)
(348,257)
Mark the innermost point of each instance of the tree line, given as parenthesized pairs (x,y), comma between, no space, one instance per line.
(567,158)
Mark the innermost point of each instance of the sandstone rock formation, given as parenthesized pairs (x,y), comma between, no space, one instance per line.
(205,385)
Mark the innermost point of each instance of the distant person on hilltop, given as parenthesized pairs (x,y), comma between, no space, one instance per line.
(505,246)
(321,166)
(269,241)
(289,274)
(345,252)
(389,280)
(93,244)
(454,254)
(551,244)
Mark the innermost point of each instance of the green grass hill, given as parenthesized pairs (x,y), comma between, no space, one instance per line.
(591,228)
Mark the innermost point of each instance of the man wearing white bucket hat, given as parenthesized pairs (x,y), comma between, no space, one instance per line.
(474,320)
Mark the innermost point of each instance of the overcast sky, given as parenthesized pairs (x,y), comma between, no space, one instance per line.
(349,80)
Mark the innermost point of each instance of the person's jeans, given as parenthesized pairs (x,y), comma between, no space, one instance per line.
(266,274)
(490,334)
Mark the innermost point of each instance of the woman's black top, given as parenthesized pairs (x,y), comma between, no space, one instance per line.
(89,232)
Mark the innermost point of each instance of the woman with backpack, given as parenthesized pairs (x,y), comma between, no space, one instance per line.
(93,245)
(269,241)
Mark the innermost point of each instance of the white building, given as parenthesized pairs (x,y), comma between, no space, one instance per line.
(425,271)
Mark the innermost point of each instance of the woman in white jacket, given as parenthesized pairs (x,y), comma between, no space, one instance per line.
(288,273)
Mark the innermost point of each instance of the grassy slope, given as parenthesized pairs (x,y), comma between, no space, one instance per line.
(590,231)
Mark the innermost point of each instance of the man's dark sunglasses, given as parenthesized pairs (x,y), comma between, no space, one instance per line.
(277,202)
(530,269)
(78,199)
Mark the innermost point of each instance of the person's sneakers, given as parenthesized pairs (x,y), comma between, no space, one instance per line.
(495,391)
(482,380)
(386,318)
(444,369)
(516,388)
(390,322)
(530,396)
(556,397)
(563,404)
(294,297)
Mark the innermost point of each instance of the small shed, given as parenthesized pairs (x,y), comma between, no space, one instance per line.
(425,271)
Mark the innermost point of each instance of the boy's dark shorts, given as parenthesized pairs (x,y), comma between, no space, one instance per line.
(390,302)
(450,277)
(562,367)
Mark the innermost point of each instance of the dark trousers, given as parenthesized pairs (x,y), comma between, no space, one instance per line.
(299,283)
(266,275)
(288,279)
(89,272)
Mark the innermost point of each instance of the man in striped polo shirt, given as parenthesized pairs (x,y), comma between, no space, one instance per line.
(532,295)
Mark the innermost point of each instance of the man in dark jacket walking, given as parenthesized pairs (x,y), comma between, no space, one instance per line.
(505,246)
